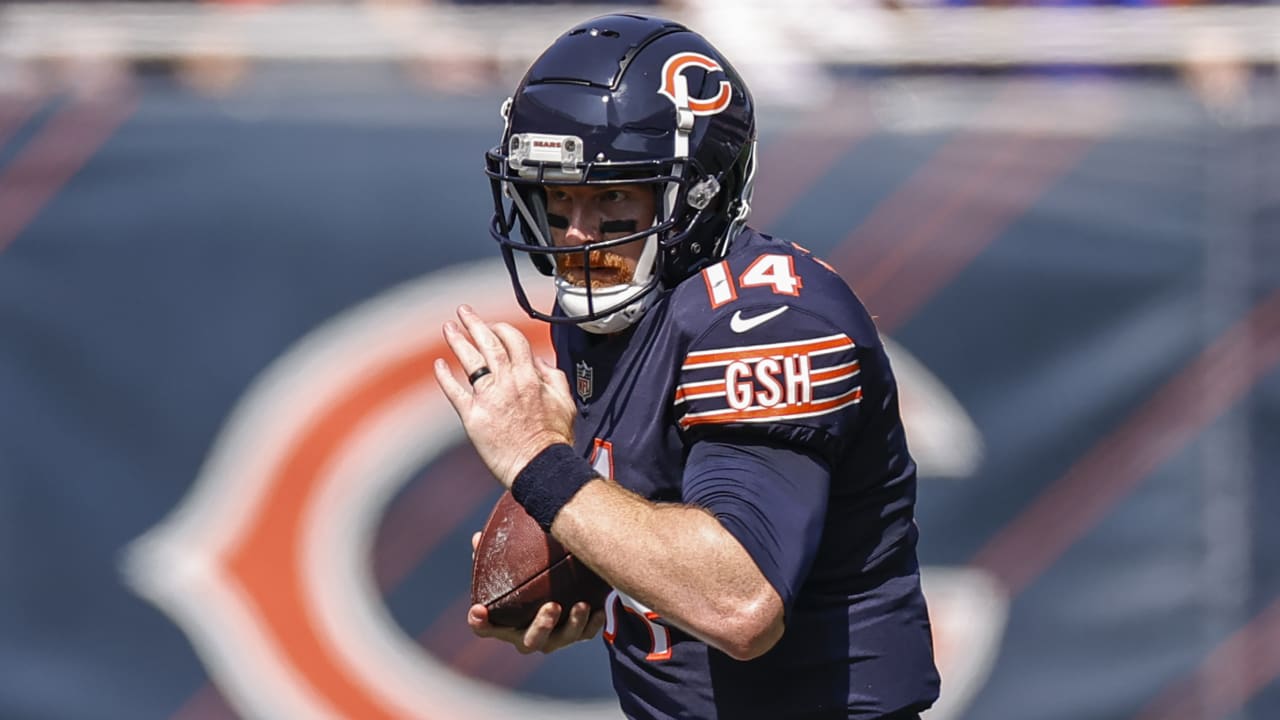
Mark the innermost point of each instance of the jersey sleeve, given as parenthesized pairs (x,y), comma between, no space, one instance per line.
(772,499)
(792,377)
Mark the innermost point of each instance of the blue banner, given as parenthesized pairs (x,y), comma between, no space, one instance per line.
(229,486)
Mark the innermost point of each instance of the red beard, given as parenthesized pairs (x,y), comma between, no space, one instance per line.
(607,269)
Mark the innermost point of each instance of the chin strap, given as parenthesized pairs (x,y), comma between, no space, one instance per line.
(737,222)
(629,302)
(618,321)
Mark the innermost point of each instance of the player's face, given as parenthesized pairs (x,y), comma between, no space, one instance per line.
(591,213)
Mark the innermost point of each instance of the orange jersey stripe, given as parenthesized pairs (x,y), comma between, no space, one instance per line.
(835,373)
(724,356)
(759,414)
(698,388)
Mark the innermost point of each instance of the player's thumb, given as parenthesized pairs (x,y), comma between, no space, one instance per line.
(552,376)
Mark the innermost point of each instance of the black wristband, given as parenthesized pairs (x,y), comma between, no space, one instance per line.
(550,481)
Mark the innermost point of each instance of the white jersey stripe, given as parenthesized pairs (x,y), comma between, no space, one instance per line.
(856,392)
(770,346)
(730,415)
(702,396)
(795,416)
(757,358)
(838,378)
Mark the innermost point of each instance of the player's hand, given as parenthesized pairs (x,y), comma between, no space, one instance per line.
(519,408)
(537,637)
(541,635)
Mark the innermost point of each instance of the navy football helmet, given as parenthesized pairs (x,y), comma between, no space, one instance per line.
(625,99)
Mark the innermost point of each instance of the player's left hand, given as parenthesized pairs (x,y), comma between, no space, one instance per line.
(542,635)
(519,408)
(546,633)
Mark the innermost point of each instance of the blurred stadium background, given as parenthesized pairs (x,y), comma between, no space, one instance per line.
(229,232)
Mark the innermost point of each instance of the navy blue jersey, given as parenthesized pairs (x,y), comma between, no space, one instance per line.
(759,389)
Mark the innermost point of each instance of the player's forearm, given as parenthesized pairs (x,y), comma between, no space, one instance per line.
(678,560)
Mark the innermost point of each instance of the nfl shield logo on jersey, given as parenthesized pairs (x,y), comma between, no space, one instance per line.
(584,381)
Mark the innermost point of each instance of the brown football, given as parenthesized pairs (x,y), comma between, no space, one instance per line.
(518,567)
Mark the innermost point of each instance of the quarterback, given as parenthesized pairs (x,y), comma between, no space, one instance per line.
(720,439)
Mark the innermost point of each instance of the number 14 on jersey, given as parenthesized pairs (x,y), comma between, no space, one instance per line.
(774,271)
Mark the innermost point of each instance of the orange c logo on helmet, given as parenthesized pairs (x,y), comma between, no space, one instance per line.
(677,64)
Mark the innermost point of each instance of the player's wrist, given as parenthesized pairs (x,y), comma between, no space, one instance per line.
(519,456)
(549,481)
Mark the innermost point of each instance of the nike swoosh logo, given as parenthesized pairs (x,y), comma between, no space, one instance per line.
(739,324)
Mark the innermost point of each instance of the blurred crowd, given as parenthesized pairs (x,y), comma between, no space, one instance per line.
(682,4)
(216,52)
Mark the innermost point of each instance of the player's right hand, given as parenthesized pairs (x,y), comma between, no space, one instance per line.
(519,408)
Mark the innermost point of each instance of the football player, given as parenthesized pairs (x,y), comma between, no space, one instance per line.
(721,440)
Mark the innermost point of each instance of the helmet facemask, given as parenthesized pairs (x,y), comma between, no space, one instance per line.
(593,303)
